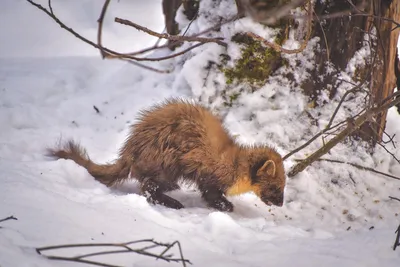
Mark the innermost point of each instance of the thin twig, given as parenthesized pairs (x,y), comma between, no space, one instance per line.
(391,138)
(110,53)
(50,7)
(396,242)
(358,167)
(390,153)
(8,218)
(381,144)
(352,90)
(328,126)
(167,57)
(77,35)
(100,27)
(368,115)
(125,249)
(231,19)
(170,37)
(145,66)
(325,38)
(394,198)
(154,47)
(179,53)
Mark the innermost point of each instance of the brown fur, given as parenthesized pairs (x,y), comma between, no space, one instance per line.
(177,140)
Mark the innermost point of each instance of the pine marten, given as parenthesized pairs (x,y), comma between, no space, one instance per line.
(177,140)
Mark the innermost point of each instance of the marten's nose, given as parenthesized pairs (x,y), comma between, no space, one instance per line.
(278,201)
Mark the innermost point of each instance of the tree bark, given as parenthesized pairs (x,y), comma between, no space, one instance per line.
(383,77)
(397,74)
(341,37)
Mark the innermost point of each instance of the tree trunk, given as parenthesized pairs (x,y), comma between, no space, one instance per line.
(170,7)
(341,37)
(397,74)
(383,78)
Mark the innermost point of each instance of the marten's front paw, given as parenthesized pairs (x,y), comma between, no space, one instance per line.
(222,204)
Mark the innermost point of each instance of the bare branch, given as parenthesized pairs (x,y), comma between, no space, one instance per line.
(394,198)
(77,35)
(170,37)
(145,66)
(397,241)
(358,167)
(390,153)
(325,39)
(368,115)
(111,54)
(352,90)
(8,218)
(194,35)
(165,57)
(100,27)
(125,248)
(328,126)
(50,7)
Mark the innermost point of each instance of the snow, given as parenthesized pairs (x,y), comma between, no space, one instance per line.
(49,82)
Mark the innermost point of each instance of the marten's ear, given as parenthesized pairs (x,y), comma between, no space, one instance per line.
(268,167)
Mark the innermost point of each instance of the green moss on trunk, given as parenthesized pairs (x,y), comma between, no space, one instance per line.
(256,64)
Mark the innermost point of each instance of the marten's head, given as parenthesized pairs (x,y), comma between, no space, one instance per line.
(268,179)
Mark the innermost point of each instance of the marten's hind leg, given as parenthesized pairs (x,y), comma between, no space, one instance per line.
(154,191)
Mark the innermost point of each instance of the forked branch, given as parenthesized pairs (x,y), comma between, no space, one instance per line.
(364,168)
(352,126)
(8,218)
(147,245)
(170,37)
(131,57)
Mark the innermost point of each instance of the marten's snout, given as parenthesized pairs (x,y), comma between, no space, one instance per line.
(276,199)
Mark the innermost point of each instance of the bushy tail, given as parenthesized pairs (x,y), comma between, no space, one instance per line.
(108,174)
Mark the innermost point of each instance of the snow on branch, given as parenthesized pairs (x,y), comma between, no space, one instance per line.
(146,248)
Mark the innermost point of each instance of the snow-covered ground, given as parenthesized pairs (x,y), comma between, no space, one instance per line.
(49,84)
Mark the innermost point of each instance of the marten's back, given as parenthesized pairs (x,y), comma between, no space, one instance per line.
(177,136)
